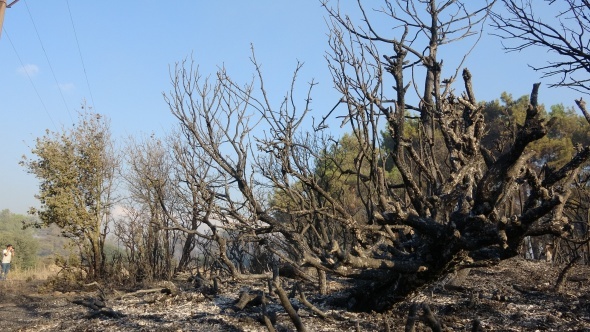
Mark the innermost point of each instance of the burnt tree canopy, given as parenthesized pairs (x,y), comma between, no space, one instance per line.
(392,219)
(565,36)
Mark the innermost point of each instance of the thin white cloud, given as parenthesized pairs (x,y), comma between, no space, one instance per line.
(28,70)
(66,87)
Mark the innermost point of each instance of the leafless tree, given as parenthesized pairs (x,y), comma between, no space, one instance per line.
(143,227)
(564,33)
(457,206)
(213,151)
(450,207)
(577,211)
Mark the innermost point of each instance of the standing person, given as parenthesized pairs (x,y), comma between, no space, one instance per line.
(7,255)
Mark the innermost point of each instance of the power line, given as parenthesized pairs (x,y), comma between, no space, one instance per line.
(49,62)
(81,58)
(29,76)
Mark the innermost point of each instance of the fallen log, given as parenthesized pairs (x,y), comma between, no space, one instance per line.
(162,290)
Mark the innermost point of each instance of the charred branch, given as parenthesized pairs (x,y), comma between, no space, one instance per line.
(565,35)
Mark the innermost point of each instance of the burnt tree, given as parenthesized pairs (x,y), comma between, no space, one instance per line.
(458,203)
(563,35)
(447,207)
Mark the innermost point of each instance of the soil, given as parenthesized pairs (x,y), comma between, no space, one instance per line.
(516,295)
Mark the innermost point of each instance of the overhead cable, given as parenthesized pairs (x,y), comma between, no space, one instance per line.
(81,58)
(29,76)
(49,62)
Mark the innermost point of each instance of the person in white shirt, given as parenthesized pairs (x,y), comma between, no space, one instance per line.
(7,255)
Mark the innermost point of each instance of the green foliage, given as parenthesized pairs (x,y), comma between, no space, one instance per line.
(24,241)
(76,171)
(502,118)
(567,130)
(337,170)
(112,251)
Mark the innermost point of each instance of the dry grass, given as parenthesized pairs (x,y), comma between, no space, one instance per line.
(40,272)
(26,282)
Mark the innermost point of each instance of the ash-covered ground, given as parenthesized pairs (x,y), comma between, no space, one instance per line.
(516,295)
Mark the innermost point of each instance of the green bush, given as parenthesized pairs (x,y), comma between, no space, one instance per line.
(25,244)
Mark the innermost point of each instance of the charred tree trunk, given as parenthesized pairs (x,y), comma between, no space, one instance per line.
(444,203)
(187,248)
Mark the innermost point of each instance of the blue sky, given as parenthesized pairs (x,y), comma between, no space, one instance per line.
(117,54)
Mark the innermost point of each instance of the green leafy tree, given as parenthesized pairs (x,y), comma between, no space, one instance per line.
(566,131)
(338,168)
(504,115)
(76,169)
(12,232)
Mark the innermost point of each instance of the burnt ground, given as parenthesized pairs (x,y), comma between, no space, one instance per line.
(516,295)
